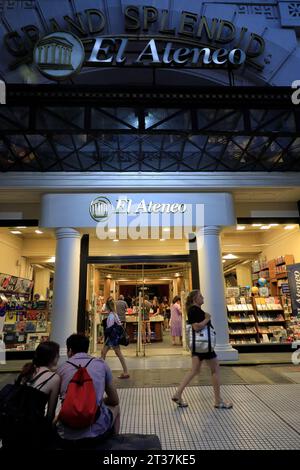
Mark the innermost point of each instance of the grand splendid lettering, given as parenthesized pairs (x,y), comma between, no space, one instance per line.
(140,22)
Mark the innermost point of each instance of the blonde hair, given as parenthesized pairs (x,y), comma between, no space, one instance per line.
(191,298)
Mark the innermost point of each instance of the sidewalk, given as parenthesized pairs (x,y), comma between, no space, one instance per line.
(263,417)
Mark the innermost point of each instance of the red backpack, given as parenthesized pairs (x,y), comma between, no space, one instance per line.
(79,409)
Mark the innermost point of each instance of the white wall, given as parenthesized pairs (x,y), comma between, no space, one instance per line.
(287,243)
(11,257)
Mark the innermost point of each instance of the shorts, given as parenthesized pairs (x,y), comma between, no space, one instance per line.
(203,356)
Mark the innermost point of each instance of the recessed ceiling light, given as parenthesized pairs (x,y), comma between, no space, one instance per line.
(38,232)
(16,232)
(22,226)
(162,240)
(274,225)
(166,229)
(230,256)
(241,227)
(265,227)
(115,240)
(289,227)
(256,225)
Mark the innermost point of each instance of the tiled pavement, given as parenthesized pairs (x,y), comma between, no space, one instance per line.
(263,417)
(266,412)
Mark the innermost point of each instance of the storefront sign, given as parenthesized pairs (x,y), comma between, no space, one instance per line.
(294,283)
(101,208)
(147,39)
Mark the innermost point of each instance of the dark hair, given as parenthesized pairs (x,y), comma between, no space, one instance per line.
(78,343)
(176,298)
(146,297)
(191,298)
(110,304)
(44,355)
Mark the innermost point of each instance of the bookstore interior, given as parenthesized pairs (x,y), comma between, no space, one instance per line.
(261,264)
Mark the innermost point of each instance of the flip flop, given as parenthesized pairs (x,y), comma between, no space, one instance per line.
(124,376)
(224,405)
(179,402)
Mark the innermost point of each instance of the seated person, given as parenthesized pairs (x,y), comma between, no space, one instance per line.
(108,421)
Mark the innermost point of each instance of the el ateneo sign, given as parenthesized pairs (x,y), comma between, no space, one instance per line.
(149,39)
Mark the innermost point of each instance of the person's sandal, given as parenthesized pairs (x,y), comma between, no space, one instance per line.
(224,405)
(124,376)
(180,402)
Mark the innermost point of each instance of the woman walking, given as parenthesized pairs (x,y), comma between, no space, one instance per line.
(199,319)
(176,321)
(112,337)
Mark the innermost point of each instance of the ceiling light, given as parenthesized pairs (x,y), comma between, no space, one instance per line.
(261,244)
(16,232)
(115,240)
(289,227)
(265,227)
(223,260)
(21,226)
(51,260)
(113,230)
(230,256)
(162,240)
(166,229)
(256,225)
(273,225)
(38,232)
(241,227)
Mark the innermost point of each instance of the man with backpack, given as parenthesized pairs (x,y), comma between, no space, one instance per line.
(86,417)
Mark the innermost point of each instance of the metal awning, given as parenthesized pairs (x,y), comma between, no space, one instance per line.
(58,128)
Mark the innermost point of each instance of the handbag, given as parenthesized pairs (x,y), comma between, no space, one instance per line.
(202,341)
(124,337)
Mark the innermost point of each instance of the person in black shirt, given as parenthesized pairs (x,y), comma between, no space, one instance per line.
(199,319)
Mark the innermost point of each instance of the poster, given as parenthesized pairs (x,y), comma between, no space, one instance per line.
(294,282)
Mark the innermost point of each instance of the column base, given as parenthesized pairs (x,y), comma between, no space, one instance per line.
(225,352)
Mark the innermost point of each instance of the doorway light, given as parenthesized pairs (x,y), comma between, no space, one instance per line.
(230,256)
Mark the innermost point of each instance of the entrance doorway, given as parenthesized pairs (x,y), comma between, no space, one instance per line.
(154,284)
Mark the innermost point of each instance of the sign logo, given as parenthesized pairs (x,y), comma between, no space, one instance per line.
(59,55)
(100,209)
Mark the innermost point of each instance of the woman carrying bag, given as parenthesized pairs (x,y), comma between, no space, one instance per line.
(199,319)
(113,338)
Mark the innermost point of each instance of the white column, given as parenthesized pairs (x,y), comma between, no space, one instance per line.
(213,288)
(66,286)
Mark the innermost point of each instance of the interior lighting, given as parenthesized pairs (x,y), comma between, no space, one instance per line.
(230,256)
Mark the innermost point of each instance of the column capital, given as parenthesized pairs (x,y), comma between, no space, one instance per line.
(66,233)
(210,230)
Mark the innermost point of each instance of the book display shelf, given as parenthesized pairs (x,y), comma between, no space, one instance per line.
(24,322)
